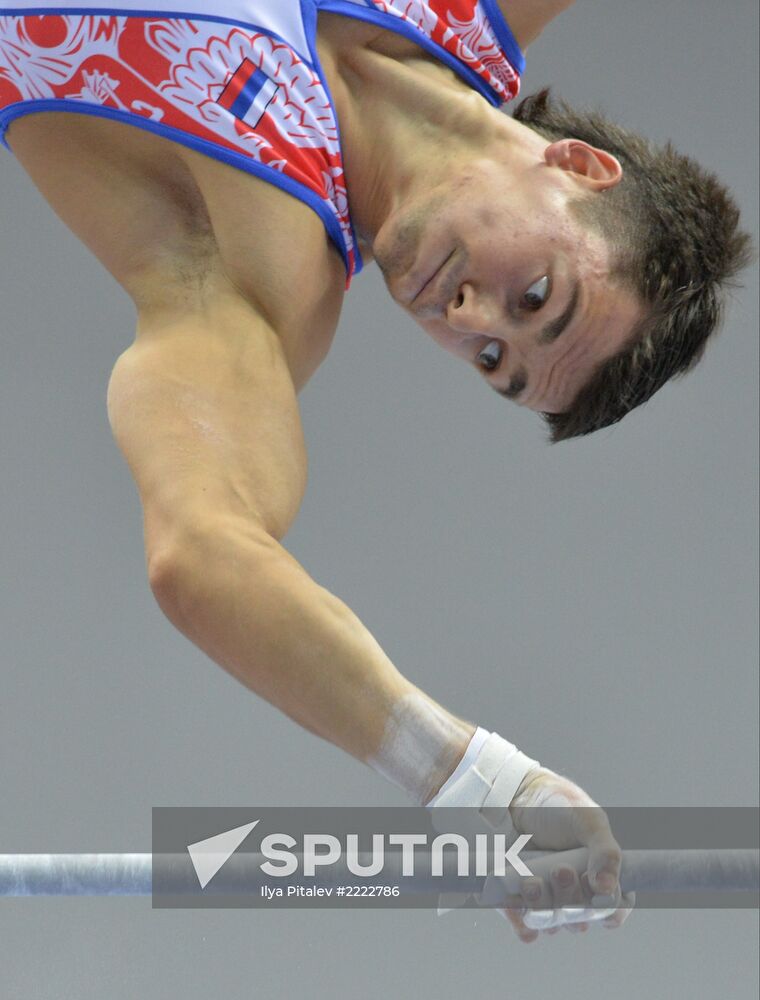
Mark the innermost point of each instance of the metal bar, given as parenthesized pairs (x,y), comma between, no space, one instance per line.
(131,874)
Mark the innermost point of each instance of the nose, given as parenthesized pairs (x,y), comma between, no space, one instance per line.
(473,313)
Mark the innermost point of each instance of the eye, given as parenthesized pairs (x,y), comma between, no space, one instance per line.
(537,294)
(490,356)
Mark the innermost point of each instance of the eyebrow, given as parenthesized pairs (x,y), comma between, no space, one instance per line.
(515,387)
(551,332)
(555,327)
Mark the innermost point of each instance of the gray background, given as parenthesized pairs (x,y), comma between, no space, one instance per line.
(595,602)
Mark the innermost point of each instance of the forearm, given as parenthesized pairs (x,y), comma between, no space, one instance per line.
(242,598)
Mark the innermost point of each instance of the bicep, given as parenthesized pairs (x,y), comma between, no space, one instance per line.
(204,410)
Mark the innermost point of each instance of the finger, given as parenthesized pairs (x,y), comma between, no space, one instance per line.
(604,860)
(514,913)
(619,917)
(538,911)
(514,905)
(514,916)
(528,937)
(577,928)
(566,887)
(592,827)
(601,905)
(530,911)
(604,906)
(556,903)
(569,899)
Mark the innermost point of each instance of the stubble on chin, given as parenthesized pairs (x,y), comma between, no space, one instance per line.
(396,250)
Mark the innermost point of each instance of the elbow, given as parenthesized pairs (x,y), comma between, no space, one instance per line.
(170,581)
(193,567)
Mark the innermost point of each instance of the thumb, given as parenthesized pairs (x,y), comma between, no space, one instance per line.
(604,862)
(604,854)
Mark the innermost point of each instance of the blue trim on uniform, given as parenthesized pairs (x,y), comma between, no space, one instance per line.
(309,15)
(503,32)
(260,170)
(150,14)
(393,23)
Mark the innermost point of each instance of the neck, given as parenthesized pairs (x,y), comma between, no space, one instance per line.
(408,126)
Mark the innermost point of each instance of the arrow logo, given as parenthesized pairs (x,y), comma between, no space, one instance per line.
(209,855)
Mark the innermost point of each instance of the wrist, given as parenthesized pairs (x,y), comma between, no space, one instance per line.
(491,774)
(459,756)
(422,745)
(466,761)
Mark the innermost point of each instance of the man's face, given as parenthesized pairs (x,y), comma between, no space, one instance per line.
(508,280)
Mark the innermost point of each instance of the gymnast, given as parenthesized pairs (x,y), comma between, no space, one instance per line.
(279,147)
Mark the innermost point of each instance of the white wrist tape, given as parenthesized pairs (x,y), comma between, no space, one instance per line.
(470,756)
(422,742)
(488,777)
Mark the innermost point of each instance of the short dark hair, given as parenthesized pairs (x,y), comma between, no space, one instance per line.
(675,237)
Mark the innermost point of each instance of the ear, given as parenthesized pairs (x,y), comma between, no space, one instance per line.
(593,168)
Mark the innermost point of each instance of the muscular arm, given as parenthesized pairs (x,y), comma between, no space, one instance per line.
(528,18)
(204,410)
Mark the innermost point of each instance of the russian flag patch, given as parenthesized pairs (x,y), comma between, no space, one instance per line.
(248,94)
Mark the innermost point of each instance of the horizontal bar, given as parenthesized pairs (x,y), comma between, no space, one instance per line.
(76,874)
(132,874)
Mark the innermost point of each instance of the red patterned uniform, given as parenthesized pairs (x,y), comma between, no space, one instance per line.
(243,84)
